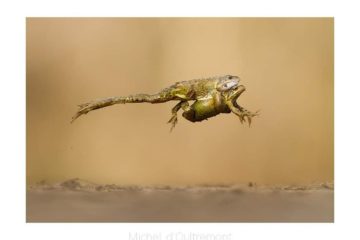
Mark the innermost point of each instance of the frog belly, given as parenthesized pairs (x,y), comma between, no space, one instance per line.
(201,110)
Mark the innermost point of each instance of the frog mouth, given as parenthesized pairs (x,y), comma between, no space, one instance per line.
(236,91)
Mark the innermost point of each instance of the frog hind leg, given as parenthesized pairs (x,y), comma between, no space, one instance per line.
(181,105)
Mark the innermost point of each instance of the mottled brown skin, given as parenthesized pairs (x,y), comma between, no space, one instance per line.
(211,97)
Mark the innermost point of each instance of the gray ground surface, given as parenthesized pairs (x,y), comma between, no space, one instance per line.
(80,201)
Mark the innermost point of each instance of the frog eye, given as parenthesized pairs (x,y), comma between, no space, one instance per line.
(230,77)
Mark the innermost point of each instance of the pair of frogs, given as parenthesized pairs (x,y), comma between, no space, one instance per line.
(211,97)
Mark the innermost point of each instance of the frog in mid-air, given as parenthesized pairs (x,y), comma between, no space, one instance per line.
(211,97)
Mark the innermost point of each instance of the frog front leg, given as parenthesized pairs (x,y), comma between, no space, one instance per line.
(241,112)
(181,105)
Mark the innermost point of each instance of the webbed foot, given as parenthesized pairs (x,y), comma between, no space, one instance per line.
(247,115)
(173,120)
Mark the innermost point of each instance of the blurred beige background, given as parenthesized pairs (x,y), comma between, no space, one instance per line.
(287,65)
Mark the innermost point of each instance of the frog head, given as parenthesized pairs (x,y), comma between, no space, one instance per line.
(227,82)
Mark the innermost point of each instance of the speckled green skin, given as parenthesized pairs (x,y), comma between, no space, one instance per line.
(215,103)
(211,97)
